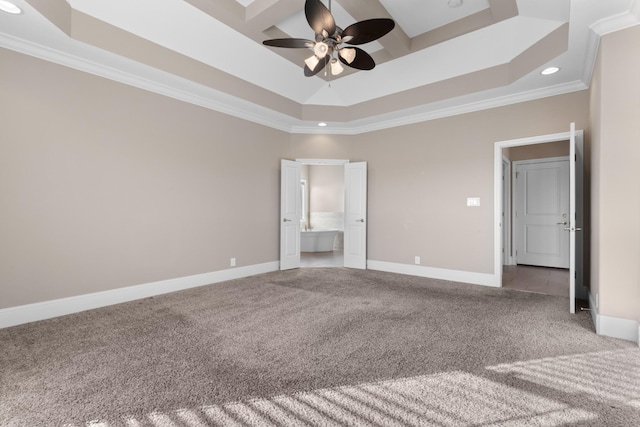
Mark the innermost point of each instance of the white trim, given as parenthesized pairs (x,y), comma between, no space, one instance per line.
(323,162)
(497,189)
(542,160)
(48,309)
(166,84)
(614,327)
(434,273)
(418,115)
(506,191)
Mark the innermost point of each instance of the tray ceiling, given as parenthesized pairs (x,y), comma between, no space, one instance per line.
(438,61)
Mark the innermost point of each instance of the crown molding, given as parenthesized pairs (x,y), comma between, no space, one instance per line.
(379,122)
(184,90)
(618,22)
(161,82)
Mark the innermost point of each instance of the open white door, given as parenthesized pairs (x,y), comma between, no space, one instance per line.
(355,215)
(572,219)
(576,199)
(290,213)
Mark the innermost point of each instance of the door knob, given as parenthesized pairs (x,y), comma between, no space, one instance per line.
(286,220)
(360,220)
(562,223)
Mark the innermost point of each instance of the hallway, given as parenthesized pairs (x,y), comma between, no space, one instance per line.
(542,280)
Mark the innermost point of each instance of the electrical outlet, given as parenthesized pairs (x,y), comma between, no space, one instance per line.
(417,260)
(597,300)
(233,262)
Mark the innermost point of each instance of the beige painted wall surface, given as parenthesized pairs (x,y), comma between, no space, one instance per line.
(105,186)
(539,151)
(321,147)
(327,188)
(421,175)
(616,174)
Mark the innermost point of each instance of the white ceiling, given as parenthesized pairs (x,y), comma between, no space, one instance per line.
(411,82)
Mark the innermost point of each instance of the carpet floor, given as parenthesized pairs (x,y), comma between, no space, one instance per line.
(321,347)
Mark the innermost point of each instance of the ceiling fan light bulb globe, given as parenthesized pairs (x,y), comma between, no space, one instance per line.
(321,49)
(336,67)
(348,54)
(312,62)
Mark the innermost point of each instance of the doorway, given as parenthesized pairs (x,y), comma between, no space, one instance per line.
(292,220)
(574,217)
(322,223)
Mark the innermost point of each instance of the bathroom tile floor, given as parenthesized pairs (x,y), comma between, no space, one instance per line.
(322,259)
(542,280)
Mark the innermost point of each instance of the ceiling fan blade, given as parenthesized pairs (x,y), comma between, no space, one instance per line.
(319,17)
(362,61)
(323,63)
(367,31)
(290,43)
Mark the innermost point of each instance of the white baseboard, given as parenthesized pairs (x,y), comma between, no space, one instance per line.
(48,309)
(435,273)
(614,327)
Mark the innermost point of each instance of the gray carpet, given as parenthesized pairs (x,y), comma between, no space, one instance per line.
(321,347)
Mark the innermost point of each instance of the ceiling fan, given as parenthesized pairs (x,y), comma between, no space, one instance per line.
(330,40)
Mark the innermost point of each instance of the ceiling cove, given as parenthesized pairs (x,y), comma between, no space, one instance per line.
(437,61)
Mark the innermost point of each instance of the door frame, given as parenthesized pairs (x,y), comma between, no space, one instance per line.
(330,162)
(498,190)
(508,258)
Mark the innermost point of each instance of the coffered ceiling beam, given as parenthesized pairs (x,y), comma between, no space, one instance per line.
(397,43)
(262,14)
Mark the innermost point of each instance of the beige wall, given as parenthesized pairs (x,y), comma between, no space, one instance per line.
(326,188)
(105,186)
(538,151)
(421,175)
(615,108)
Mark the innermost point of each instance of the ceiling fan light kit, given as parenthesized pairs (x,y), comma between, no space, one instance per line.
(328,47)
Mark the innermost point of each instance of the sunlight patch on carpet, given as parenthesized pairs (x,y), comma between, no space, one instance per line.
(445,399)
(611,375)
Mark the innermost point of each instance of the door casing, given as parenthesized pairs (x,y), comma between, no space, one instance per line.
(333,162)
(498,198)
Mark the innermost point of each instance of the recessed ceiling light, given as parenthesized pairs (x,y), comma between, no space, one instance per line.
(454,3)
(9,7)
(322,124)
(550,70)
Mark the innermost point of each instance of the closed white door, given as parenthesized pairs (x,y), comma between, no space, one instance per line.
(355,215)
(542,213)
(290,214)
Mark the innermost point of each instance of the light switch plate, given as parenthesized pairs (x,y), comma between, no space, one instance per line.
(473,201)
